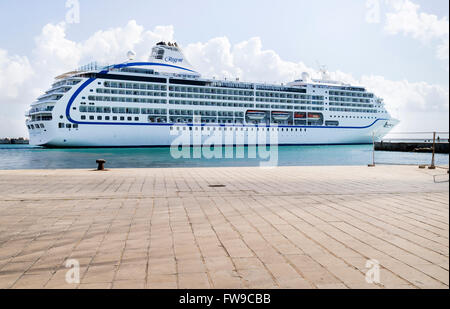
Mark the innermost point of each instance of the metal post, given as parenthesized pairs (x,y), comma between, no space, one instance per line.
(432,166)
(373,150)
(373,153)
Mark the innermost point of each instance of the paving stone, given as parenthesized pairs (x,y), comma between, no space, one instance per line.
(287,227)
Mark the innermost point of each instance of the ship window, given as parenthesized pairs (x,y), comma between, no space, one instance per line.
(60,125)
(68,126)
(91,118)
(122,118)
(83,117)
(115,118)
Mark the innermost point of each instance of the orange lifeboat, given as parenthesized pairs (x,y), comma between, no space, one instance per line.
(300,115)
(314,116)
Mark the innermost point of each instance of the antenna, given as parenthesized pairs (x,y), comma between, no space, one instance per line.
(131,55)
(323,69)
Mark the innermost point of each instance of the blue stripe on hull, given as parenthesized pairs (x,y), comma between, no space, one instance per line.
(134,64)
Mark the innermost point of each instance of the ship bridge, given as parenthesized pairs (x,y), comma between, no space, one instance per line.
(166,58)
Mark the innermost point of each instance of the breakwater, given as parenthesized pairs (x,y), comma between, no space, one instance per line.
(441,147)
(14,141)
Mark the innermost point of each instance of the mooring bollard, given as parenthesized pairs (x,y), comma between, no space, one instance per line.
(101,164)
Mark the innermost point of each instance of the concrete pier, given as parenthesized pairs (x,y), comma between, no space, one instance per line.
(287,227)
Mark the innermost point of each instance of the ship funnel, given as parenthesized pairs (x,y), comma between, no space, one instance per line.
(171,59)
(305,77)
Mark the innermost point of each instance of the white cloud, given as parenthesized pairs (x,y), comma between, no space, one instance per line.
(112,45)
(420,106)
(442,51)
(407,19)
(55,53)
(245,60)
(420,96)
(213,58)
(14,71)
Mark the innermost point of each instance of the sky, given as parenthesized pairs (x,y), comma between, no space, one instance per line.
(396,48)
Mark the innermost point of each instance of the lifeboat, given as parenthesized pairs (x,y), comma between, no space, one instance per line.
(256,115)
(280,116)
(300,115)
(315,116)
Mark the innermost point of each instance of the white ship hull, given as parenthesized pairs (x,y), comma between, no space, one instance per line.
(163,136)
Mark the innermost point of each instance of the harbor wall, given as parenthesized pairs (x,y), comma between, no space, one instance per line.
(412,147)
(14,141)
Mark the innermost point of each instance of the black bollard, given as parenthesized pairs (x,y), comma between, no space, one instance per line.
(101,164)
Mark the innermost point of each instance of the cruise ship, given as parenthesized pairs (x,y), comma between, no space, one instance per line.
(149,104)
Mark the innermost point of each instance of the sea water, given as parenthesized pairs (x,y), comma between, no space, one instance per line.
(28,157)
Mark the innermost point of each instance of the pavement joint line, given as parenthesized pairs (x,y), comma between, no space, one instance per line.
(86,197)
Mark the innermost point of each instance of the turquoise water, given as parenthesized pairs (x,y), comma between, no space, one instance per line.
(27,157)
